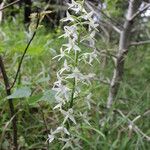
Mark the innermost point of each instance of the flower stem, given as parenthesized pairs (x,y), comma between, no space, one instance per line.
(74,81)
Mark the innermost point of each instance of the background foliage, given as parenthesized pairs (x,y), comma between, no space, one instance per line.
(34,98)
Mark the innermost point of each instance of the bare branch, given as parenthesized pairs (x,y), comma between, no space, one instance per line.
(139,12)
(25,51)
(114,27)
(113,23)
(139,43)
(9,5)
(106,82)
(122,52)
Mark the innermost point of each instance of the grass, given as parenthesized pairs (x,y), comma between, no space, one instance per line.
(108,131)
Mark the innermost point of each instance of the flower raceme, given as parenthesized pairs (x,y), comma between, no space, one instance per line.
(70,78)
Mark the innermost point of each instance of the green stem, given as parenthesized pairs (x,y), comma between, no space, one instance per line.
(72,93)
(74,82)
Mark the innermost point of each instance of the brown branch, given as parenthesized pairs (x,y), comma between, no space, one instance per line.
(139,43)
(9,5)
(122,52)
(25,51)
(11,105)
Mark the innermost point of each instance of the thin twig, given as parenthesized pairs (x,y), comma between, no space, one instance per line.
(106,82)
(139,12)
(25,51)
(9,5)
(45,123)
(100,51)
(4,130)
(133,126)
(114,24)
(11,105)
(139,43)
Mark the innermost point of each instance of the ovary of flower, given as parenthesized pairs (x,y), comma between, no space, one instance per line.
(76,7)
(86,16)
(76,74)
(59,80)
(60,102)
(92,24)
(71,46)
(59,105)
(65,68)
(61,129)
(68,18)
(90,39)
(88,100)
(85,117)
(89,57)
(61,90)
(68,115)
(89,77)
(70,32)
(51,137)
(93,56)
(68,144)
(92,34)
(61,55)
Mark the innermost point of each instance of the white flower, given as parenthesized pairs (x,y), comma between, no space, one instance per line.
(76,74)
(89,77)
(68,18)
(85,117)
(89,57)
(92,25)
(88,100)
(90,39)
(61,129)
(65,68)
(71,46)
(60,102)
(51,137)
(61,89)
(70,32)
(68,115)
(88,15)
(68,144)
(61,55)
(76,7)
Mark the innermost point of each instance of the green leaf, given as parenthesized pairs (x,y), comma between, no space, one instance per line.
(49,95)
(46,96)
(34,99)
(44,79)
(21,93)
(94,129)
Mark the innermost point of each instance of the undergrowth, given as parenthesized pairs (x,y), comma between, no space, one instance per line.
(108,130)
